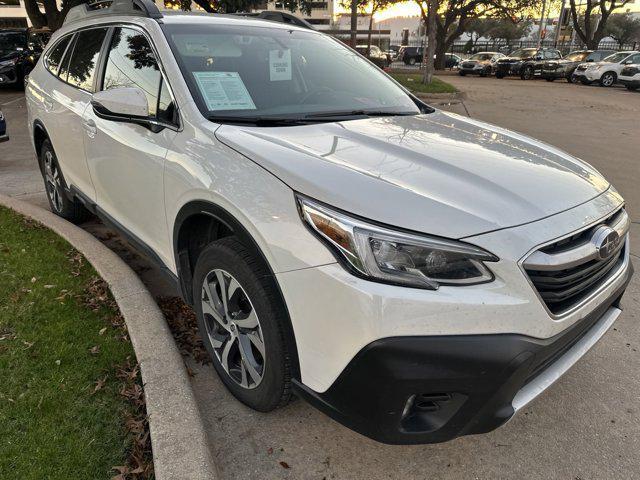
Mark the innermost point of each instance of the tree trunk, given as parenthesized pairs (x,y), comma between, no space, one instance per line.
(441,49)
(206,6)
(354,23)
(431,42)
(369,32)
(38,19)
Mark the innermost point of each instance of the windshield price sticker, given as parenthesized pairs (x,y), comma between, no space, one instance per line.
(224,91)
(279,65)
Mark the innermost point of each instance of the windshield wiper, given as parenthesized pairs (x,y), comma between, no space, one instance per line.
(357,113)
(257,120)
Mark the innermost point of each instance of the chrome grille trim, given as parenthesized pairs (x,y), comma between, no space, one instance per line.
(565,287)
(583,253)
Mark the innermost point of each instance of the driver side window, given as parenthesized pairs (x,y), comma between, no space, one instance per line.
(131,63)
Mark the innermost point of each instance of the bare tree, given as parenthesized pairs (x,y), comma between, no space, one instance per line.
(453,16)
(376,6)
(590,18)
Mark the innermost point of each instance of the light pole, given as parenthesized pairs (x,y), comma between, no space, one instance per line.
(559,25)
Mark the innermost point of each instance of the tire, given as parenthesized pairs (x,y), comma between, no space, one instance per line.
(499,75)
(411,61)
(571,79)
(549,79)
(462,73)
(584,81)
(608,79)
(527,73)
(258,377)
(56,188)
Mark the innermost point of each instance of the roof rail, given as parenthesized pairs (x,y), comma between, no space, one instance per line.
(144,8)
(276,16)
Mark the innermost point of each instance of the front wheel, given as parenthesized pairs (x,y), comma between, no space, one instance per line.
(607,79)
(549,79)
(412,61)
(499,75)
(243,324)
(527,73)
(462,73)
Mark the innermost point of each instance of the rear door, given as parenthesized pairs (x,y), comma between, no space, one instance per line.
(126,160)
(67,101)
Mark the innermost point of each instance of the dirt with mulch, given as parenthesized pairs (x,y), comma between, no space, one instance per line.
(184,326)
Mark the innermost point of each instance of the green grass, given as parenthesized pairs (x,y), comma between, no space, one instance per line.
(413,81)
(52,424)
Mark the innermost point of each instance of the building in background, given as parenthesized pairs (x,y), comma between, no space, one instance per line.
(13,14)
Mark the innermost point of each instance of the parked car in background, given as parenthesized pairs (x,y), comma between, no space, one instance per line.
(414,55)
(564,67)
(479,64)
(525,62)
(20,49)
(376,55)
(606,72)
(3,128)
(630,76)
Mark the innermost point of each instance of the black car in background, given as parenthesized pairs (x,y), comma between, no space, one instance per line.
(413,55)
(20,49)
(525,63)
(3,129)
(376,55)
(481,64)
(564,67)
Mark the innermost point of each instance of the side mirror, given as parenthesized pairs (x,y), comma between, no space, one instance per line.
(124,103)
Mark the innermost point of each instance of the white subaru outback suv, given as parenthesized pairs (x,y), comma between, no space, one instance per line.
(415,274)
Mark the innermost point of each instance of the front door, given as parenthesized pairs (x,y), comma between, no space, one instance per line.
(126,160)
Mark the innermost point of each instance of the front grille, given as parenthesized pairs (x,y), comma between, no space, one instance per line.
(562,286)
(630,71)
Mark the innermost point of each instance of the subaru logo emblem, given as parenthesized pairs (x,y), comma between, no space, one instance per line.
(606,241)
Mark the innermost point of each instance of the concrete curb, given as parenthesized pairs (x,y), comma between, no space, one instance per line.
(178,438)
(441,97)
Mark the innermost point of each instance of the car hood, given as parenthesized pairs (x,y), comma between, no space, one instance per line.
(439,173)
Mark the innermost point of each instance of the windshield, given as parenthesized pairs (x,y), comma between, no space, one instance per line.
(11,41)
(616,57)
(481,56)
(245,71)
(577,56)
(524,53)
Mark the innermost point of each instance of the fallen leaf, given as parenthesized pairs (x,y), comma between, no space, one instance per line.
(99,384)
(49,286)
(57,362)
(270,450)
(95,350)
(33,280)
(284,465)
(102,330)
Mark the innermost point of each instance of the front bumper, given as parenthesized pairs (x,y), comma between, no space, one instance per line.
(410,390)
(4,138)
(555,74)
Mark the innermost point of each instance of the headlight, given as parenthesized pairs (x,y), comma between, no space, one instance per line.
(384,255)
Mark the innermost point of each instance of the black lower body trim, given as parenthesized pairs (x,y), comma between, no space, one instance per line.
(411,390)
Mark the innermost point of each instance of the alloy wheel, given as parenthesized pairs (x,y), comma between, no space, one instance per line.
(607,80)
(53,181)
(233,328)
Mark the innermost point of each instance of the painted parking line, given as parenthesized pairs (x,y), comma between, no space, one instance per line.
(13,100)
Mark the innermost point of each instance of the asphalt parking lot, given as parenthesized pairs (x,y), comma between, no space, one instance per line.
(587,426)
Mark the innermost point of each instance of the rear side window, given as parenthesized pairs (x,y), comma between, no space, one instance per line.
(84,59)
(54,58)
(132,63)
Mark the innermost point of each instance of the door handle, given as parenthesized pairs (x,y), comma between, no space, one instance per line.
(90,128)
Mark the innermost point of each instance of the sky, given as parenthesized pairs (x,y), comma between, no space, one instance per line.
(407,9)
